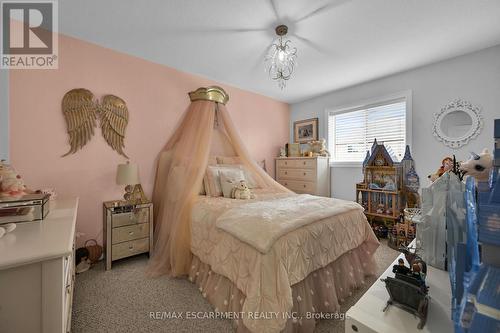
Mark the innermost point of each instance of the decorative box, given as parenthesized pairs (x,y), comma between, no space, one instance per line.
(30,207)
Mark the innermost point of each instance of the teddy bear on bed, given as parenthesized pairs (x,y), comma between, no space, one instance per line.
(241,191)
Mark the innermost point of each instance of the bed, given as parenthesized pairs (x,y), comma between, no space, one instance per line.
(270,281)
(269,263)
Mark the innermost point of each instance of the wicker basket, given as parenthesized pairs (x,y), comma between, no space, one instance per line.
(95,250)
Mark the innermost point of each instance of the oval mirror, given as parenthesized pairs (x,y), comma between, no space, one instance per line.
(457,123)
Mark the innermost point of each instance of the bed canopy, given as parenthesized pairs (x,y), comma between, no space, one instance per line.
(206,130)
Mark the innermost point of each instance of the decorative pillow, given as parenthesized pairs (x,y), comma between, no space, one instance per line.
(212,160)
(235,160)
(228,179)
(212,179)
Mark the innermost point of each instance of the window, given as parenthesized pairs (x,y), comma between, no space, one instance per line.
(351,131)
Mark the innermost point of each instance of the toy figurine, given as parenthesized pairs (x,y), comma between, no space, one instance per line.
(400,268)
(446,165)
(407,288)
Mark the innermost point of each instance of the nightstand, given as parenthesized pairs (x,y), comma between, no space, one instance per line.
(128,229)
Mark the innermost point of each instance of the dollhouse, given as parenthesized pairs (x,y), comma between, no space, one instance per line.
(381,193)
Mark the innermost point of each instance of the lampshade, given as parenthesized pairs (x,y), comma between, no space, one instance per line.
(127,174)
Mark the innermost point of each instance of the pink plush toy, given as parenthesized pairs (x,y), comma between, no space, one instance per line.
(11,184)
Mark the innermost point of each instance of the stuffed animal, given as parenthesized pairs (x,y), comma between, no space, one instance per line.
(478,166)
(6,228)
(241,191)
(11,184)
(446,165)
(318,148)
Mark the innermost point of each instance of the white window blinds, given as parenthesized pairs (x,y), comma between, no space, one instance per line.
(351,133)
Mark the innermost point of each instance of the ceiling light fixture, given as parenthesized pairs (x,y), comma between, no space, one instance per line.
(281,58)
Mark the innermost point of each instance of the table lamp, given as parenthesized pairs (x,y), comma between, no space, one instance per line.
(128,174)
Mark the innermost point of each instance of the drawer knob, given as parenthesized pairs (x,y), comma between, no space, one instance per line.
(131,233)
(286,172)
(304,173)
(130,247)
(286,184)
(304,185)
(304,163)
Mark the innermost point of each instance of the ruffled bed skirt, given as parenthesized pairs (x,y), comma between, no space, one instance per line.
(320,293)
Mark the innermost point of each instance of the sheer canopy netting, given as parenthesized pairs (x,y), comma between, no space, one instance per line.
(179,176)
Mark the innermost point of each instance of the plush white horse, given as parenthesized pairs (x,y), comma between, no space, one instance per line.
(478,166)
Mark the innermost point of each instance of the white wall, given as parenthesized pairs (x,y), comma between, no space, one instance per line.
(4,114)
(474,77)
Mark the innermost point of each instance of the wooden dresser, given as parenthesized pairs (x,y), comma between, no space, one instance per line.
(304,174)
(128,229)
(37,272)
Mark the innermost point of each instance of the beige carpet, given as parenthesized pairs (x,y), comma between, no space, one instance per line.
(122,300)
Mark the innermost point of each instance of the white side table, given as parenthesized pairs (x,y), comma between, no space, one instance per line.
(366,316)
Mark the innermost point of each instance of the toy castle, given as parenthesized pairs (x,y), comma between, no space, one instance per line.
(387,187)
(475,285)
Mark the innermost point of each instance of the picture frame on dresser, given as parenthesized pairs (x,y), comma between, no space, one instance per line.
(293,149)
(305,130)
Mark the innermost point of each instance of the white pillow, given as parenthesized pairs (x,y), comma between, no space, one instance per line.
(229,178)
(212,160)
(212,179)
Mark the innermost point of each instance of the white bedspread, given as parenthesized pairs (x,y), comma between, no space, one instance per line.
(266,278)
(261,223)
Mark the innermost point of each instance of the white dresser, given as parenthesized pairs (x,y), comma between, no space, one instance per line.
(304,174)
(37,272)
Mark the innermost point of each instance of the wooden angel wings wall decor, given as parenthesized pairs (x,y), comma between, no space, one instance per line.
(81,112)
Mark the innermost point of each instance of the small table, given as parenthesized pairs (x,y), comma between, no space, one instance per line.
(367,315)
(128,229)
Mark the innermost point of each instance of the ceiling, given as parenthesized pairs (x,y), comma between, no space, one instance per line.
(340,42)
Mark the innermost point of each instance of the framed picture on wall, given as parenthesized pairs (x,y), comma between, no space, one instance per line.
(305,130)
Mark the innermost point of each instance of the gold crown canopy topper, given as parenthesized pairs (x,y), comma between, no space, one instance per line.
(212,93)
(81,112)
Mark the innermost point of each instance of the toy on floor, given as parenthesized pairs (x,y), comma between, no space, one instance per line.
(82,260)
(241,191)
(6,228)
(94,250)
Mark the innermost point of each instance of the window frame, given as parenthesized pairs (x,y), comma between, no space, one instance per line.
(368,103)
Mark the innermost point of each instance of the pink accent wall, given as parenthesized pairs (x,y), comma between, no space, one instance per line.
(156,96)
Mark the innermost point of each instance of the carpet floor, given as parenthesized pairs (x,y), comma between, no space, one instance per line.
(122,300)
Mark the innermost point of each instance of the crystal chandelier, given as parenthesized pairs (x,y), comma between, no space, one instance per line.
(281,58)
